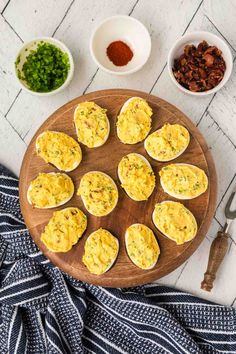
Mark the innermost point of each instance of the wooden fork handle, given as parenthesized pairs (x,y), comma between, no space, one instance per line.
(217,252)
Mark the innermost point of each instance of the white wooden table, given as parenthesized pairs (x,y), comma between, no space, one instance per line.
(72,21)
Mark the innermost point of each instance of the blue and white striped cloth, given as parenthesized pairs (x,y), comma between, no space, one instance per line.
(43,310)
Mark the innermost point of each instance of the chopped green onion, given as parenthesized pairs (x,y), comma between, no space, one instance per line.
(45,68)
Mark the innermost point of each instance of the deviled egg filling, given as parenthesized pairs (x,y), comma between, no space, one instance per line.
(49,190)
(59,149)
(92,124)
(136,176)
(134,121)
(175,221)
(183,181)
(98,192)
(64,229)
(142,246)
(167,143)
(100,251)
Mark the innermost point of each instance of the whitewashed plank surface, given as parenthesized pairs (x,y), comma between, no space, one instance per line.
(12,147)
(35,18)
(222,15)
(3,3)
(72,21)
(8,52)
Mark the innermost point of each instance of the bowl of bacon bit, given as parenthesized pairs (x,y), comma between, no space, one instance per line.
(200,63)
(120,45)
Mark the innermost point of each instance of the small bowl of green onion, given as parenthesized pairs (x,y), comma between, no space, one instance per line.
(44,66)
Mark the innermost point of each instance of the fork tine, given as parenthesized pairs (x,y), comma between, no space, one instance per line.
(230,214)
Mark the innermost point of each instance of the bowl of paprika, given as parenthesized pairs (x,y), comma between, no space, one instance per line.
(120,45)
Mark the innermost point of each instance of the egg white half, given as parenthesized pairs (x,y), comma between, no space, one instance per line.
(75,165)
(106,136)
(125,106)
(164,160)
(122,180)
(126,245)
(128,101)
(113,260)
(166,233)
(115,186)
(177,196)
(54,206)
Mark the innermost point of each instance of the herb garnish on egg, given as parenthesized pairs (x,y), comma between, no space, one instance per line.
(175,221)
(64,229)
(91,123)
(142,246)
(100,251)
(49,190)
(98,192)
(136,176)
(168,142)
(134,121)
(59,149)
(183,181)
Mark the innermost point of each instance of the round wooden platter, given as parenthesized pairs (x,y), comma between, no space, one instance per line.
(106,158)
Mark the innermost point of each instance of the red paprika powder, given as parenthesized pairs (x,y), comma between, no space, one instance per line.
(119,53)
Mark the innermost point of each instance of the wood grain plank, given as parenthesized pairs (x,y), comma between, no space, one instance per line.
(8,84)
(42,17)
(12,148)
(220,215)
(224,290)
(223,14)
(3,4)
(223,108)
(224,153)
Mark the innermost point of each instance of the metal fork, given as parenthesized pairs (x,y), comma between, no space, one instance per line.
(219,247)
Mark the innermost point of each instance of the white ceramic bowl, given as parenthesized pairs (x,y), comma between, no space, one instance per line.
(195,38)
(24,51)
(130,31)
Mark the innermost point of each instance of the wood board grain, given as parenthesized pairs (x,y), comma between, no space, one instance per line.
(106,158)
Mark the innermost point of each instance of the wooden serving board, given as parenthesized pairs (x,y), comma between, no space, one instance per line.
(106,158)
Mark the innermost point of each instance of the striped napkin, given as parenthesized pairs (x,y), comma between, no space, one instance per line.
(43,310)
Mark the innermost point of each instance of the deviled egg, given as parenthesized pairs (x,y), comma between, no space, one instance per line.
(100,251)
(134,121)
(99,193)
(91,123)
(59,149)
(64,229)
(168,142)
(183,181)
(136,176)
(142,246)
(175,221)
(50,190)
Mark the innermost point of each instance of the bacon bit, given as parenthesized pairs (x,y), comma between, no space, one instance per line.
(209,59)
(199,68)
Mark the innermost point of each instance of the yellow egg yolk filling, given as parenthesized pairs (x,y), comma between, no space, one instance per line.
(48,190)
(137,177)
(167,142)
(101,250)
(99,193)
(175,220)
(64,229)
(142,246)
(59,149)
(184,180)
(91,124)
(134,122)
